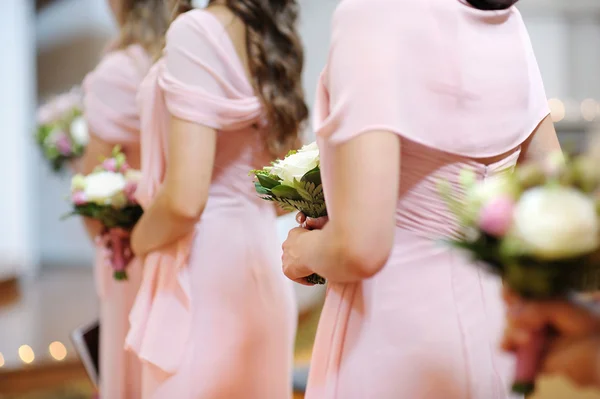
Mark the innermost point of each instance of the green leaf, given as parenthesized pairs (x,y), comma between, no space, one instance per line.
(261,190)
(266,181)
(313,176)
(116,150)
(304,189)
(286,192)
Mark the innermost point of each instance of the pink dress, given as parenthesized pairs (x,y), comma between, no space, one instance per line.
(455,84)
(215,317)
(111,113)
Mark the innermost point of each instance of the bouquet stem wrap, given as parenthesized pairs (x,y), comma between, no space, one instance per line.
(529,358)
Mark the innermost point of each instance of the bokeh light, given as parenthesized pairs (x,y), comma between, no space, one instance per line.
(26,354)
(557,109)
(57,350)
(589,109)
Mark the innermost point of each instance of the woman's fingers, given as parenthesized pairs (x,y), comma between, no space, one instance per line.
(316,223)
(300,218)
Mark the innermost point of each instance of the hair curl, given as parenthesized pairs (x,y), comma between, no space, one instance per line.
(276,59)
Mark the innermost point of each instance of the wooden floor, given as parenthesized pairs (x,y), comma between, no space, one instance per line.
(46,310)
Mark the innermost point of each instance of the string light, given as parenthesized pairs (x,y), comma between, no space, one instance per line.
(57,350)
(26,354)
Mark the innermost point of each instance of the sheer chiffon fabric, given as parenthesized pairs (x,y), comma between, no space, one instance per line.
(456,85)
(111,113)
(215,317)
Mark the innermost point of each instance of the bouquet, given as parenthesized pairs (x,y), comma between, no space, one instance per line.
(62,132)
(107,195)
(294,183)
(538,228)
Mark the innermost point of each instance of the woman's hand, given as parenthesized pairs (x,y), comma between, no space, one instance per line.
(311,223)
(116,243)
(293,267)
(574,352)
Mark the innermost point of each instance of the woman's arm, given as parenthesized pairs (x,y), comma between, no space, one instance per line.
(181,200)
(542,142)
(95,151)
(357,241)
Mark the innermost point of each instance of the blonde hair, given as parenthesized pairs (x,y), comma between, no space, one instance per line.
(145,22)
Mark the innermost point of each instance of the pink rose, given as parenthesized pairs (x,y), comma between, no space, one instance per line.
(496,216)
(110,165)
(124,168)
(63,144)
(78,198)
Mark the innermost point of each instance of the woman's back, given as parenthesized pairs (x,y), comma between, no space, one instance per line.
(461,89)
(217,292)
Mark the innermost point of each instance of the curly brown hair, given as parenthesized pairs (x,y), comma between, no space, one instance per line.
(276,60)
(145,22)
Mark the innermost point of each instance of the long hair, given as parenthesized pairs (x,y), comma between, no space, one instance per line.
(492,4)
(145,22)
(276,59)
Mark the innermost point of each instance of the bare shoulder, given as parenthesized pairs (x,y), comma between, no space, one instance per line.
(232,23)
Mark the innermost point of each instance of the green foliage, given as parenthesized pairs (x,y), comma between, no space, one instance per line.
(305,195)
(267,181)
(125,218)
(530,277)
(56,159)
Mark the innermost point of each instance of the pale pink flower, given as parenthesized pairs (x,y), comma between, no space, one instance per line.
(78,198)
(110,165)
(496,217)
(63,144)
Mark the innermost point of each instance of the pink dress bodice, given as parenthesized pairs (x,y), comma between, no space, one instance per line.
(456,85)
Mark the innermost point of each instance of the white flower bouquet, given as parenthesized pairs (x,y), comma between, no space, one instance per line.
(107,195)
(538,228)
(294,183)
(62,132)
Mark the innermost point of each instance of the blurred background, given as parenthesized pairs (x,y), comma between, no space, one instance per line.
(46,282)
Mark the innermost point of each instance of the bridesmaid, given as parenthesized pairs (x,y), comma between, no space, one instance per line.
(215,317)
(112,117)
(417,90)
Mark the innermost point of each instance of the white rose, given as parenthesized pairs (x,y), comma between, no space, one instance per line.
(102,187)
(556,222)
(309,147)
(295,166)
(79,131)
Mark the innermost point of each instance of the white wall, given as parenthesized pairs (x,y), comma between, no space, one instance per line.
(17,79)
